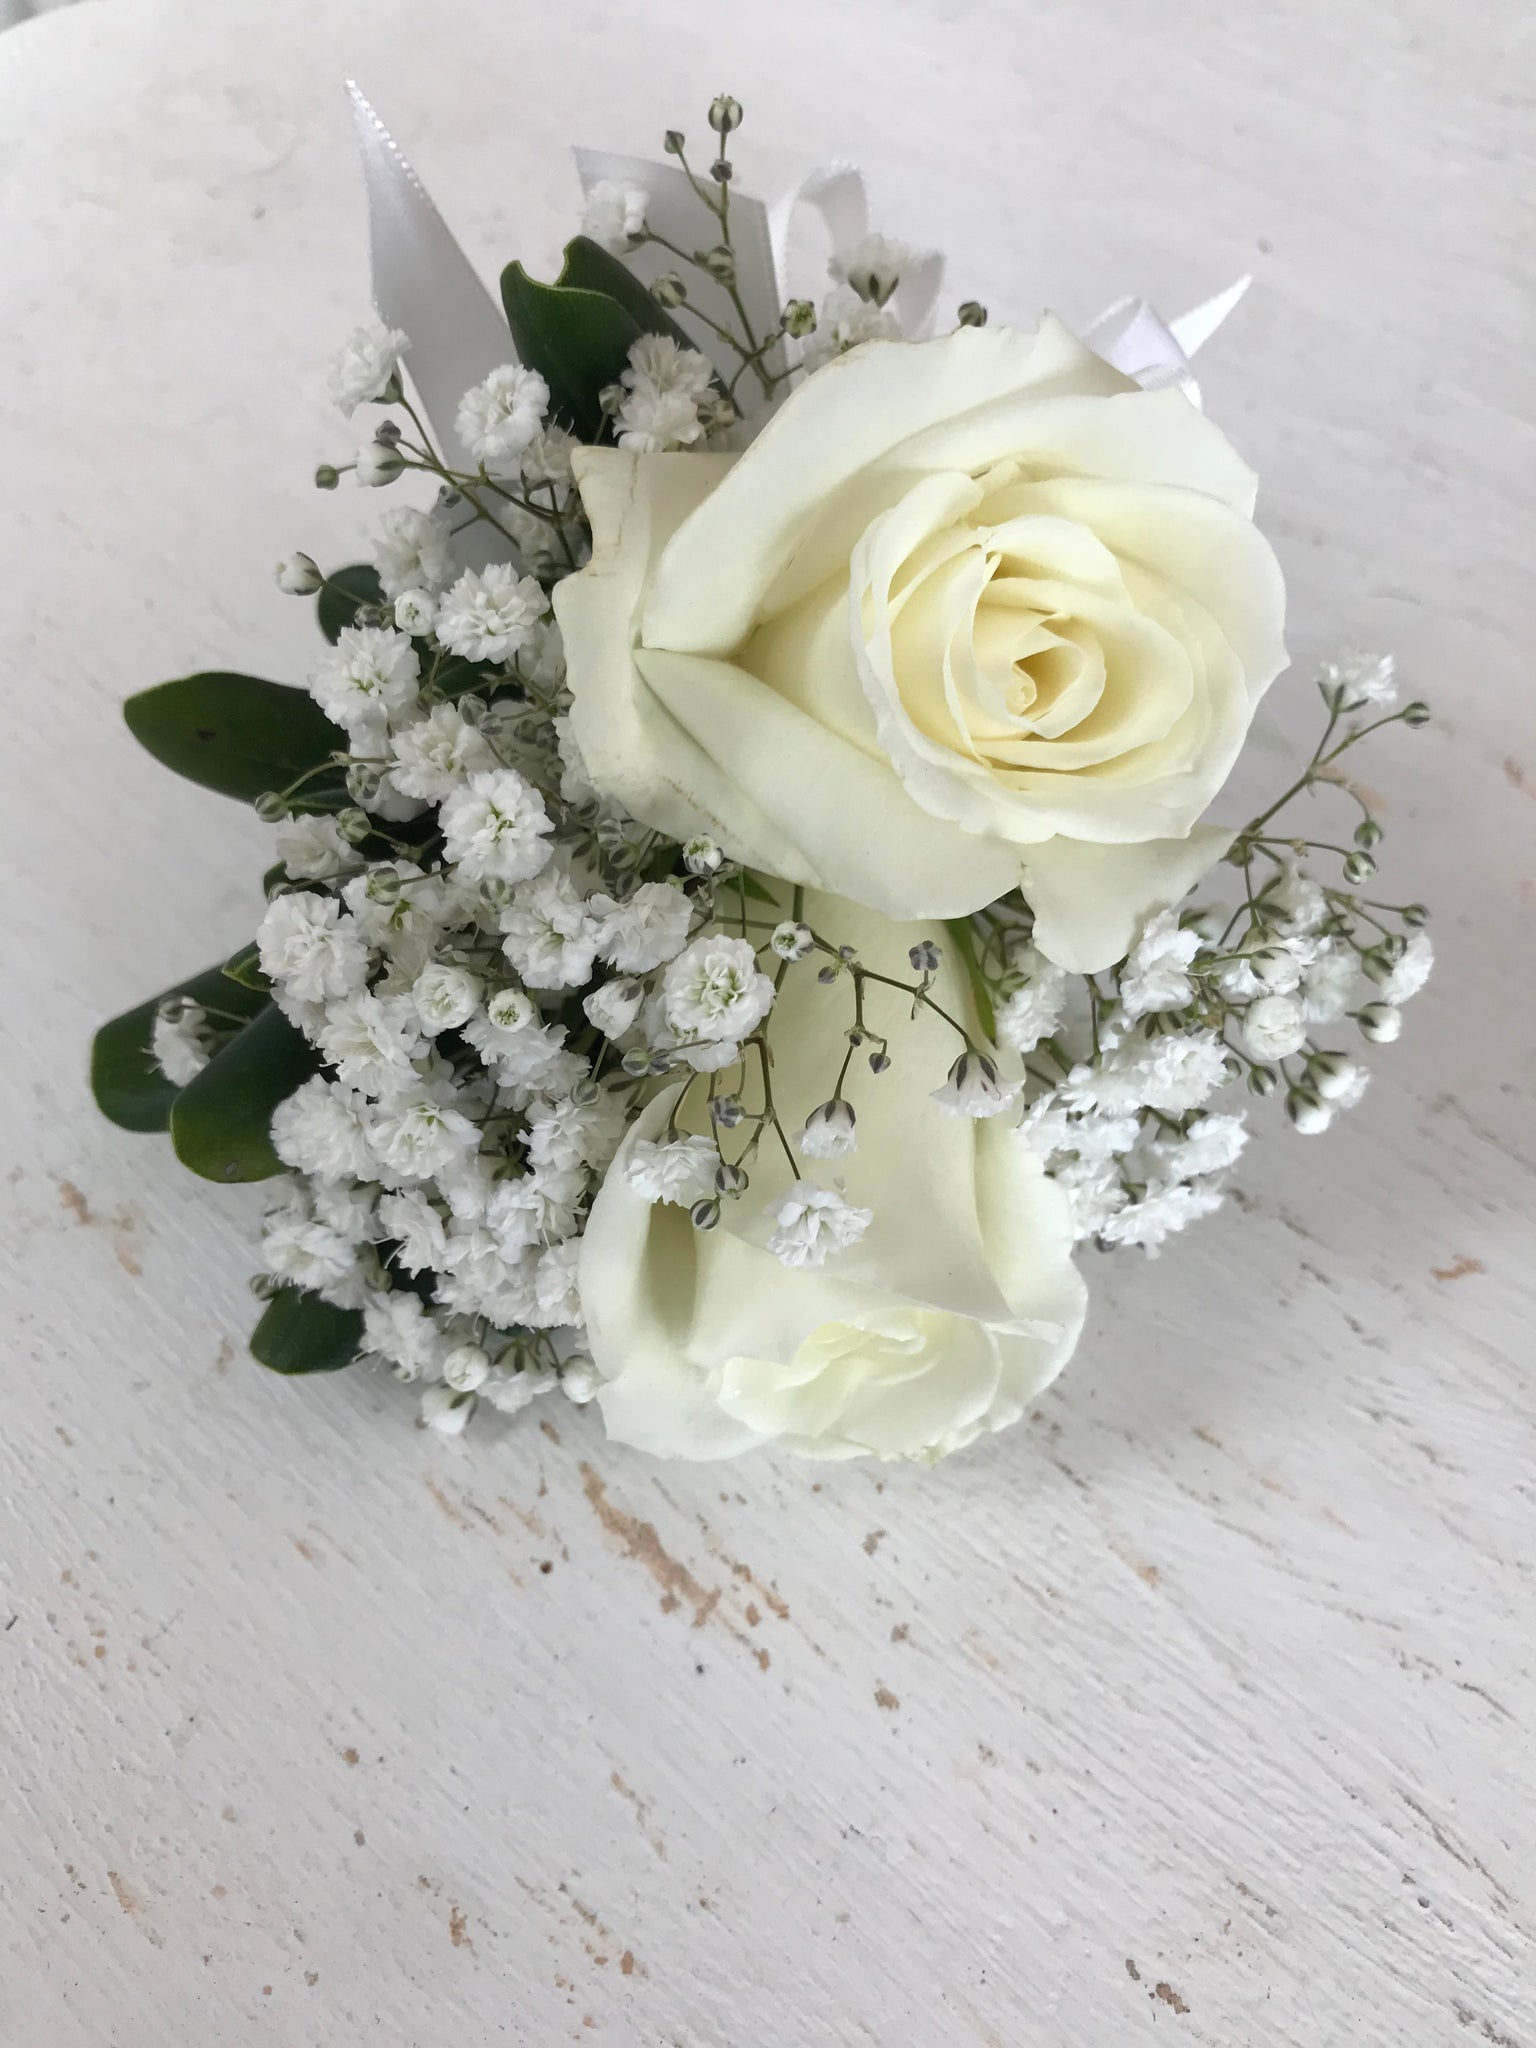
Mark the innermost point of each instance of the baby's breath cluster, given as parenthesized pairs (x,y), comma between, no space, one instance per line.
(497,968)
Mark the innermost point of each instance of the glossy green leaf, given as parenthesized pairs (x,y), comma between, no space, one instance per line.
(578,341)
(220,1122)
(589,267)
(236,734)
(344,590)
(128,1086)
(245,968)
(301,1333)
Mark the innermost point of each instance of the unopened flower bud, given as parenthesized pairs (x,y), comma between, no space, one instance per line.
(720,263)
(1262,1081)
(716,413)
(722,170)
(1308,1112)
(473,709)
(829,1130)
(792,940)
(1368,833)
(637,1062)
(701,856)
(879,1063)
(1359,867)
(495,892)
(669,289)
(1380,1022)
(382,886)
(299,575)
(1376,964)
(378,463)
(466,1367)
(1414,915)
(672,142)
(264,1286)
(727,1111)
(799,318)
(724,114)
(730,1180)
(415,611)
(706,1214)
(327,477)
(175,1010)
(363,781)
(972,314)
(354,825)
(1417,713)
(1332,1075)
(511,1009)
(924,957)
(611,399)
(388,431)
(271,806)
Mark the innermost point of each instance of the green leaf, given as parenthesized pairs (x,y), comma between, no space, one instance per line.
(128,1086)
(245,968)
(578,341)
(236,734)
(220,1122)
(343,591)
(959,929)
(301,1333)
(589,267)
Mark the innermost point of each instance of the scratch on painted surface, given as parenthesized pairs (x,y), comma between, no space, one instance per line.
(641,1542)
(1459,1268)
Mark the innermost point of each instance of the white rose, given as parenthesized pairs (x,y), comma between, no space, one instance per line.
(968,613)
(955,1307)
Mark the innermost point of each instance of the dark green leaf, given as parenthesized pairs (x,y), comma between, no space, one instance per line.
(578,341)
(236,734)
(752,887)
(219,1122)
(589,267)
(128,1086)
(344,590)
(245,968)
(301,1333)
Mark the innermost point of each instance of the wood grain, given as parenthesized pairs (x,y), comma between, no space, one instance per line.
(1197,1709)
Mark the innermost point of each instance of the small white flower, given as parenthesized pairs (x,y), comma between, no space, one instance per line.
(365,365)
(554,1285)
(1274,1028)
(873,267)
(975,1088)
(1362,680)
(310,846)
(701,856)
(495,825)
(417,1228)
(529,1210)
(714,991)
(1032,1012)
(613,1007)
(1173,1074)
(498,418)
(651,422)
(511,1392)
(647,929)
(369,677)
(547,460)
(614,215)
(568,1133)
(399,1330)
(445,997)
(813,1223)
(378,463)
(845,320)
(179,1043)
(304,942)
(679,1170)
(1155,977)
(1411,972)
(1210,1145)
(415,612)
(579,1380)
(656,359)
(1299,900)
(829,1131)
(414,1135)
(1160,1212)
(444,1411)
(466,1367)
(438,753)
(792,941)
(1336,1078)
(322,1129)
(1310,1116)
(299,575)
(371,1041)
(413,550)
(1331,983)
(550,936)
(489,613)
(1380,1023)
(309,1255)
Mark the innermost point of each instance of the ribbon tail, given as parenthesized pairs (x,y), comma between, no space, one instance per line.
(424,284)
(1192,330)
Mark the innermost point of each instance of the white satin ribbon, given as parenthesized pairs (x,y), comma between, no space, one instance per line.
(424,284)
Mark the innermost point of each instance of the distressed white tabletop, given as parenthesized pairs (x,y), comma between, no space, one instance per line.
(1196,1709)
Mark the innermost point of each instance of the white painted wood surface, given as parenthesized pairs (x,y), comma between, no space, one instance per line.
(1199,1708)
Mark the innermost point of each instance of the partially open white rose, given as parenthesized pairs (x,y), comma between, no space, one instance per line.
(968,613)
(955,1307)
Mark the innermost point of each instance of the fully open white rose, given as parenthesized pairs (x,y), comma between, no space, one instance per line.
(956,1306)
(968,613)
